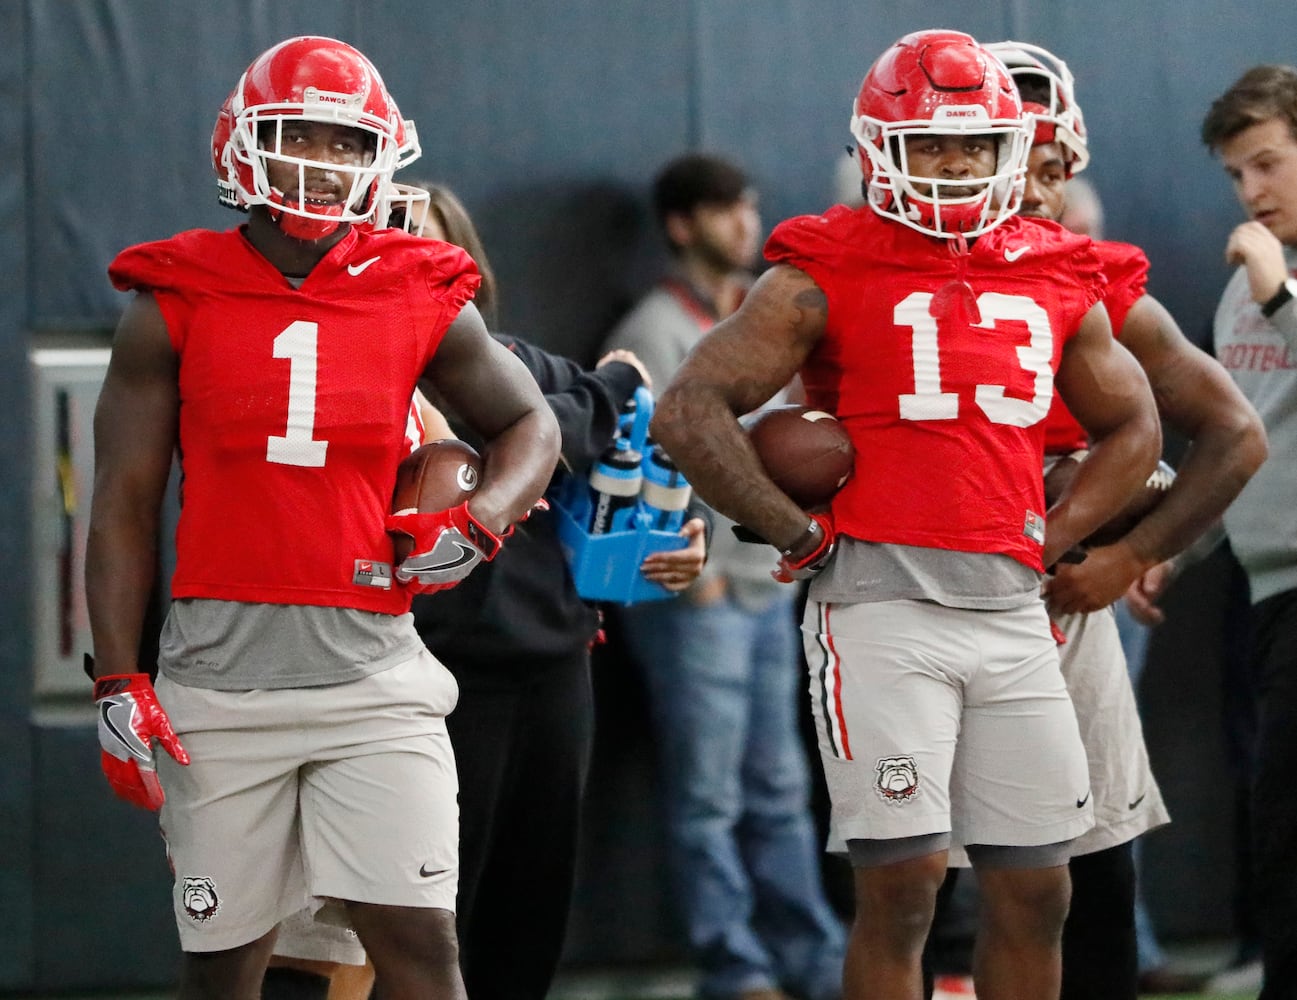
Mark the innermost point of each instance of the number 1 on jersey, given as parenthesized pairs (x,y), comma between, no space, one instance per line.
(297,446)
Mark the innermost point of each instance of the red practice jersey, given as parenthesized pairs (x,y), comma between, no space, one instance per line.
(946,413)
(1126,269)
(414,429)
(294,405)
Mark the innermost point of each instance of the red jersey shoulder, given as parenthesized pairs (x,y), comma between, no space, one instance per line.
(1122,257)
(170,263)
(809,237)
(361,263)
(839,233)
(1124,265)
(1041,244)
(395,250)
(387,254)
(1042,236)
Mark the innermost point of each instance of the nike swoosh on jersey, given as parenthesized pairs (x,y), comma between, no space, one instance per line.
(1080,803)
(1135,804)
(424,873)
(1015,253)
(356,269)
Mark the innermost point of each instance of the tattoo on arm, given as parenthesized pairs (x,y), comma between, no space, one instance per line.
(811,300)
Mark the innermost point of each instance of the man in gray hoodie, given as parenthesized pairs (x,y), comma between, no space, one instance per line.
(1253,127)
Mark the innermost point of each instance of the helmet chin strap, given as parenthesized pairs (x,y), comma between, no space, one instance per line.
(306,230)
(300,227)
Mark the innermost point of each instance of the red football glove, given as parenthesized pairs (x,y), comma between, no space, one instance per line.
(446,546)
(130,719)
(791,570)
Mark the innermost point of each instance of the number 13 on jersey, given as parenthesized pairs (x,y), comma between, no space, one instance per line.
(929,402)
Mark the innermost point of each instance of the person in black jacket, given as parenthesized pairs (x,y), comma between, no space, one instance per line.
(517,637)
(518,641)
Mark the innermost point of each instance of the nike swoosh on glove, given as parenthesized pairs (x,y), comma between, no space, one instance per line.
(447,545)
(791,570)
(130,719)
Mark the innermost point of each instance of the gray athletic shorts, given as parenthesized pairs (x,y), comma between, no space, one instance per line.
(323,937)
(1127,801)
(293,796)
(933,719)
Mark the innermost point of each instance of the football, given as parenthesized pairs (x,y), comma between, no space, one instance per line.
(1059,477)
(806,453)
(435,476)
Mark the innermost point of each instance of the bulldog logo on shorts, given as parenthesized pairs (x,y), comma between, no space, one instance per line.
(198,893)
(898,779)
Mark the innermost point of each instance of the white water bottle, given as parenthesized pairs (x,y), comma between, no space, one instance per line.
(614,485)
(666,491)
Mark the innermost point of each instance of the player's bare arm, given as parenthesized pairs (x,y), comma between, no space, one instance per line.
(739,365)
(1106,390)
(493,391)
(1197,398)
(136,423)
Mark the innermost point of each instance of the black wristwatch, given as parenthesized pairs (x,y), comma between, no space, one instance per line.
(1287,292)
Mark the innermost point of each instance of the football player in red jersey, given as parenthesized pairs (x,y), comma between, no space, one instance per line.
(279,360)
(936,326)
(1197,399)
(1194,393)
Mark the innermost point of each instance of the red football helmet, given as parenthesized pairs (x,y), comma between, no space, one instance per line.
(944,83)
(227,193)
(307,79)
(1058,118)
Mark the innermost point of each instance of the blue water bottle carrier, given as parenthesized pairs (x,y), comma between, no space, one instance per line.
(605,525)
